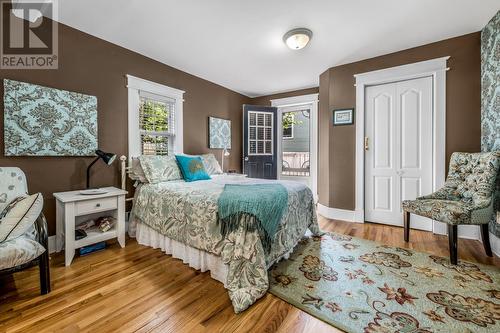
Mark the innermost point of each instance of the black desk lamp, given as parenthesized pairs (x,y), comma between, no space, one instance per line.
(108,158)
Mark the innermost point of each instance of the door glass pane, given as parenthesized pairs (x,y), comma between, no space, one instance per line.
(252,116)
(253,135)
(269,119)
(260,133)
(260,119)
(253,147)
(260,147)
(296,143)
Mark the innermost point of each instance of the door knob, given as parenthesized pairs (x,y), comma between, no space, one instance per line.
(246,158)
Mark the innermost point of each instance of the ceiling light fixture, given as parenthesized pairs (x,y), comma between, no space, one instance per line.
(297,39)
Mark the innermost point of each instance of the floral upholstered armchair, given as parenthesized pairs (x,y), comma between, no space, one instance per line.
(31,247)
(466,198)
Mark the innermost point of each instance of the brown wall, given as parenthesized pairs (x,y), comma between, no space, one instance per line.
(463,114)
(266,100)
(92,66)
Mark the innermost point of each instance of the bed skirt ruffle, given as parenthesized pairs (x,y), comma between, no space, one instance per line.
(197,259)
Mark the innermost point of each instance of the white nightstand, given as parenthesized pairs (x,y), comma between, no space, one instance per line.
(73,208)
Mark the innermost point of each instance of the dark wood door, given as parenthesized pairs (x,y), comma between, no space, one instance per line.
(260,141)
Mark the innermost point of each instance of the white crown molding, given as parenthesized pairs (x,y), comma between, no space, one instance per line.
(153,87)
(295,100)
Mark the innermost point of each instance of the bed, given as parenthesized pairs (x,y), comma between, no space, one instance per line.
(181,218)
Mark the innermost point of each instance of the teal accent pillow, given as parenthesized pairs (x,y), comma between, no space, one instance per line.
(192,168)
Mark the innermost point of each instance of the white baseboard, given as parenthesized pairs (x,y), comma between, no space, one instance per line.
(495,244)
(52,244)
(337,214)
(464,231)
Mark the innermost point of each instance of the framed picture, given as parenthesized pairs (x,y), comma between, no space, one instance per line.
(219,131)
(343,117)
(43,121)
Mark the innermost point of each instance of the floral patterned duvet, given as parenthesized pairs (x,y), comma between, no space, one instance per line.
(187,212)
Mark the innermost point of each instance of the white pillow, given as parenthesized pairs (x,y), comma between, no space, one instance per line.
(136,171)
(19,216)
(211,164)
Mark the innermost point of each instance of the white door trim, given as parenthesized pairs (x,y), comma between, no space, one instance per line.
(312,100)
(436,68)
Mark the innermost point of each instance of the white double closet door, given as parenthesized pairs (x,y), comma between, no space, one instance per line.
(398,149)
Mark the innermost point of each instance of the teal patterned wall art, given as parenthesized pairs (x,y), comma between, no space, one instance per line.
(42,121)
(220,133)
(490,99)
(490,85)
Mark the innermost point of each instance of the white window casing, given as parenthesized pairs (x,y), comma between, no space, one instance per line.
(139,91)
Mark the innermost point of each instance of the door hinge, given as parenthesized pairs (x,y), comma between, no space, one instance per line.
(366,143)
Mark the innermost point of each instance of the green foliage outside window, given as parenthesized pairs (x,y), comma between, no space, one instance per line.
(154,116)
(289,120)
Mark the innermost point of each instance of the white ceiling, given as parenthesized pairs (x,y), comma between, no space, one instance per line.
(238,43)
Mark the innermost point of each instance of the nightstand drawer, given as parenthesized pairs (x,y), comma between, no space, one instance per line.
(95,205)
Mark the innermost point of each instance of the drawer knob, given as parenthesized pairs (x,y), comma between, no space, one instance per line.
(98,205)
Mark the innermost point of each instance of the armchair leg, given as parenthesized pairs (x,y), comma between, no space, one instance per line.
(452,239)
(43,266)
(485,236)
(406,218)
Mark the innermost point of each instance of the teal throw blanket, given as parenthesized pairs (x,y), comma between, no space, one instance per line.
(255,206)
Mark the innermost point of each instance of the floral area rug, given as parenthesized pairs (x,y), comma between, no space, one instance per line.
(361,286)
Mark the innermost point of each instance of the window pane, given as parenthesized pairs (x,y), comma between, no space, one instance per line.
(260,119)
(269,133)
(156,125)
(269,148)
(154,116)
(296,143)
(269,119)
(253,122)
(154,145)
(260,133)
(253,147)
(260,147)
(253,134)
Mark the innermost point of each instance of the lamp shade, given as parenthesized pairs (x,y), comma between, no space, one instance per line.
(297,39)
(108,158)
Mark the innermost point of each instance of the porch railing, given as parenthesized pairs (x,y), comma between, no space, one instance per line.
(295,164)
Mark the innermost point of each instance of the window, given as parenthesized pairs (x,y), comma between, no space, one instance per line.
(260,130)
(156,124)
(288,122)
(155,118)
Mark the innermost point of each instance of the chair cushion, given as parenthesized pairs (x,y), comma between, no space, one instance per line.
(448,211)
(19,216)
(19,251)
(12,185)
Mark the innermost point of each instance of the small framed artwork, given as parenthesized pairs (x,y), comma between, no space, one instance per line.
(343,117)
(219,132)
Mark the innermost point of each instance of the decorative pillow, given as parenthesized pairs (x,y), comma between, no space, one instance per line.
(136,172)
(211,164)
(160,168)
(192,168)
(19,216)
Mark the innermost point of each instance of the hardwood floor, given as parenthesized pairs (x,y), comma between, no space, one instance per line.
(138,289)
